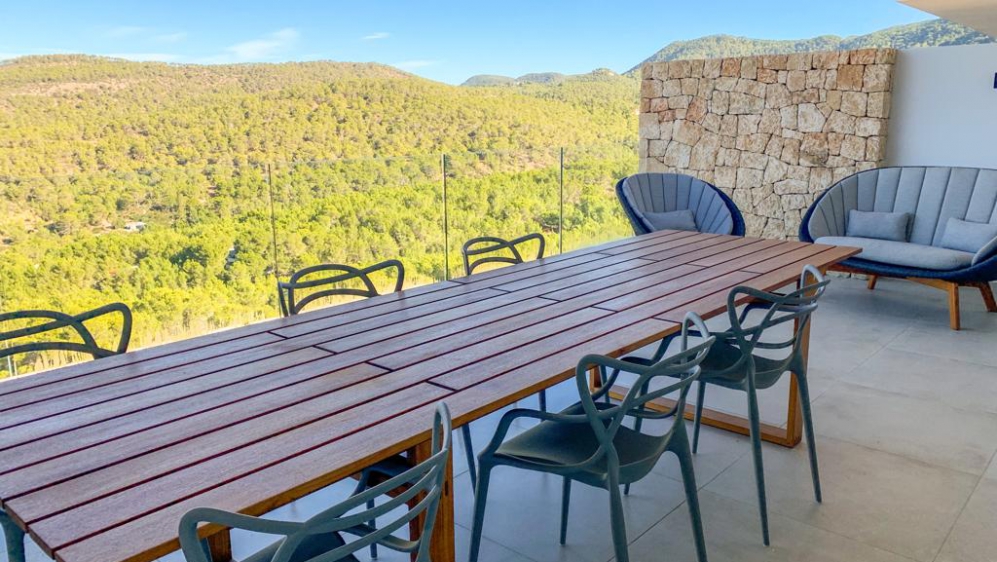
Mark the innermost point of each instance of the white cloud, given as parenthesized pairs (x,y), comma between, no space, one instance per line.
(146,57)
(265,47)
(124,31)
(170,37)
(412,64)
(376,36)
(5,56)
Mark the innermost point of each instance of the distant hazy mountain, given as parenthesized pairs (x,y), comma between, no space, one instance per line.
(931,33)
(537,78)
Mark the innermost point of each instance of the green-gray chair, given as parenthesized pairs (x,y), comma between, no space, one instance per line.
(732,363)
(477,252)
(320,538)
(44,323)
(330,280)
(589,442)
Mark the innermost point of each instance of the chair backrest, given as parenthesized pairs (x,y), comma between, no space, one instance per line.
(330,280)
(492,245)
(796,306)
(714,211)
(422,486)
(52,322)
(606,421)
(931,194)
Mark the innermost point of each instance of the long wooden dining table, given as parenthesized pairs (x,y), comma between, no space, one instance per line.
(98,461)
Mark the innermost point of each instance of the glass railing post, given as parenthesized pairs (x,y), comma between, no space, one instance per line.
(560,219)
(446,221)
(273,235)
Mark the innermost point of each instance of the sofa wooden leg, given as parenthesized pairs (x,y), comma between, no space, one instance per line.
(954,318)
(871,283)
(988,296)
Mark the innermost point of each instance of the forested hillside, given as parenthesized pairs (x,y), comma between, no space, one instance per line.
(151,183)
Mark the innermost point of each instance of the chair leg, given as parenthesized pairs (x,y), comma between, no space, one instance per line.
(617,519)
(565,503)
(472,468)
(756,451)
(682,451)
(543,400)
(697,421)
(480,497)
(373,525)
(808,428)
(14,537)
(871,282)
(988,296)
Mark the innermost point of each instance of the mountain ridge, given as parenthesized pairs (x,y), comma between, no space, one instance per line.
(928,33)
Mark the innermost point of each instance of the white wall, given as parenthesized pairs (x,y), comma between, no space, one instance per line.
(944,107)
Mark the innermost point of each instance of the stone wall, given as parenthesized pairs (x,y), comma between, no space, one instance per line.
(771,131)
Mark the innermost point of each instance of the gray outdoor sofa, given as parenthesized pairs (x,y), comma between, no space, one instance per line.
(933,225)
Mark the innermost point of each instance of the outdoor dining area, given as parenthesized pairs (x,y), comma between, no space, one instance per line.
(689,393)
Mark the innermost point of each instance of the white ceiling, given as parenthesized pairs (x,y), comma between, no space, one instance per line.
(980,15)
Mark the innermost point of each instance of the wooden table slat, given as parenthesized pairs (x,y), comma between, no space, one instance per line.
(164,427)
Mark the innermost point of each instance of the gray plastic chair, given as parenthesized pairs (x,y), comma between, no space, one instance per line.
(51,322)
(492,249)
(335,282)
(588,442)
(331,283)
(320,538)
(732,363)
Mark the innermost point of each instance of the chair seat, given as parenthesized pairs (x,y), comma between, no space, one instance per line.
(391,466)
(904,254)
(313,546)
(722,356)
(554,444)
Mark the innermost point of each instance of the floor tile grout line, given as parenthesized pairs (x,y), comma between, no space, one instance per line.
(969,498)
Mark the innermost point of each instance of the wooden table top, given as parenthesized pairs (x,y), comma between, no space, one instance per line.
(100,460)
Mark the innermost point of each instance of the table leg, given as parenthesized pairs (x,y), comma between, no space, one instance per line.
(442,548)
(220,546)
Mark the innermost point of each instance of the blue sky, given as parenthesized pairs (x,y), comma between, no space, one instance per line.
(442,40)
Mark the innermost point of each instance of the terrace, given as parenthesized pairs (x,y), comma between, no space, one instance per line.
(905,408)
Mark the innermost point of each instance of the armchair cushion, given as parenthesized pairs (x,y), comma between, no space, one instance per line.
(672,220)
(968,236)
(881,226)
(904,254)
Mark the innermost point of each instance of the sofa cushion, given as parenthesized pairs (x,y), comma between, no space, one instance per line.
(882,226)
(905,254)
(967,236)
(672,220)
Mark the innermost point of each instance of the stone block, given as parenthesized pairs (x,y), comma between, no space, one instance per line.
(720,103)
(687,132)
(704,154)
(796,81)
(659,104)
(810,119)
(863,56)
(850,77)
(771,121)
(742,104)
(656,147)
(854,103)
(767,76)
(820,179)
(748,124)
(697,110)
(754,161)
(728,125)
(725,177)
(730,67)
(877,78)
(650,128)
(775,62)
(875,149)
(777,96)
(690,86)
(853,148)
(678,155)
(870,127)
(748,178)
(749,68)
(750,87)
(671,88)
(799,61)
(711,68)
(726,83)
(711,122)
(825,60)
(679,69)
(879,105)
(839,122)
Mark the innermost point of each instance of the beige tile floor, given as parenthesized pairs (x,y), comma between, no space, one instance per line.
(906,420)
